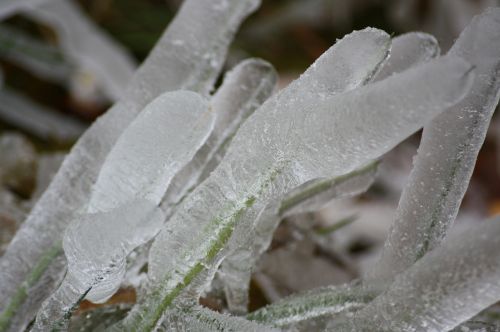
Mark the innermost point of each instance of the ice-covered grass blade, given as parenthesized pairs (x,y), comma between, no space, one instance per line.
(306,136)
(188,56)
(446,156)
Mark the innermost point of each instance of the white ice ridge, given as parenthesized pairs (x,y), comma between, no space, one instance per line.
(295,137)
(446,156)
(188,56)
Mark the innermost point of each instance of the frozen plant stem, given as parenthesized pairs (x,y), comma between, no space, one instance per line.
(446,156)
(188,56)
(261,169)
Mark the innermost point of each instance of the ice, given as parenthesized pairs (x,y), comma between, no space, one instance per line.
(295,137)
(200,319)
(87,45)
(95,246)
(408,50)
(170,66)
(153,149)
(446,156)
(236,269)
(244,89)
(19,111)
(123,209)
(312,304)
(445,288)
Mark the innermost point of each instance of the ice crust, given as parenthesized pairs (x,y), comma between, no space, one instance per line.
(303,133)
(188,56)
(446,156)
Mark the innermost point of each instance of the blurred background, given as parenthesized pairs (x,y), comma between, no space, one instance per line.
(50,91)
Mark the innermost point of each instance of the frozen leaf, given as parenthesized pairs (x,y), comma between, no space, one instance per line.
(87,45)
(188,56)
(303,133)
(312,304)
(199,319)
(446,287)
(47,124)
(446,156)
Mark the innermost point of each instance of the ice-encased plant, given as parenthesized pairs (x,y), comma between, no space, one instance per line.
(192,183)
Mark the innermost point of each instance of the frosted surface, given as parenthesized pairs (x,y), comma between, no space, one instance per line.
(236,269)
(293,138)
(445,288)
(447,154)
(312,304)
(188,56)
(199,319)
(407,51)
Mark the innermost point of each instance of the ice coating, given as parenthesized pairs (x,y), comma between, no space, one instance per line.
(200,319)
(95,246)
(408,50)
(333,72)
(163,138)
(244,88)
(443,289)
(188,56)
(235,271)
(293,138)
(312,304)
(446,156)
(86,44)
(123,210)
